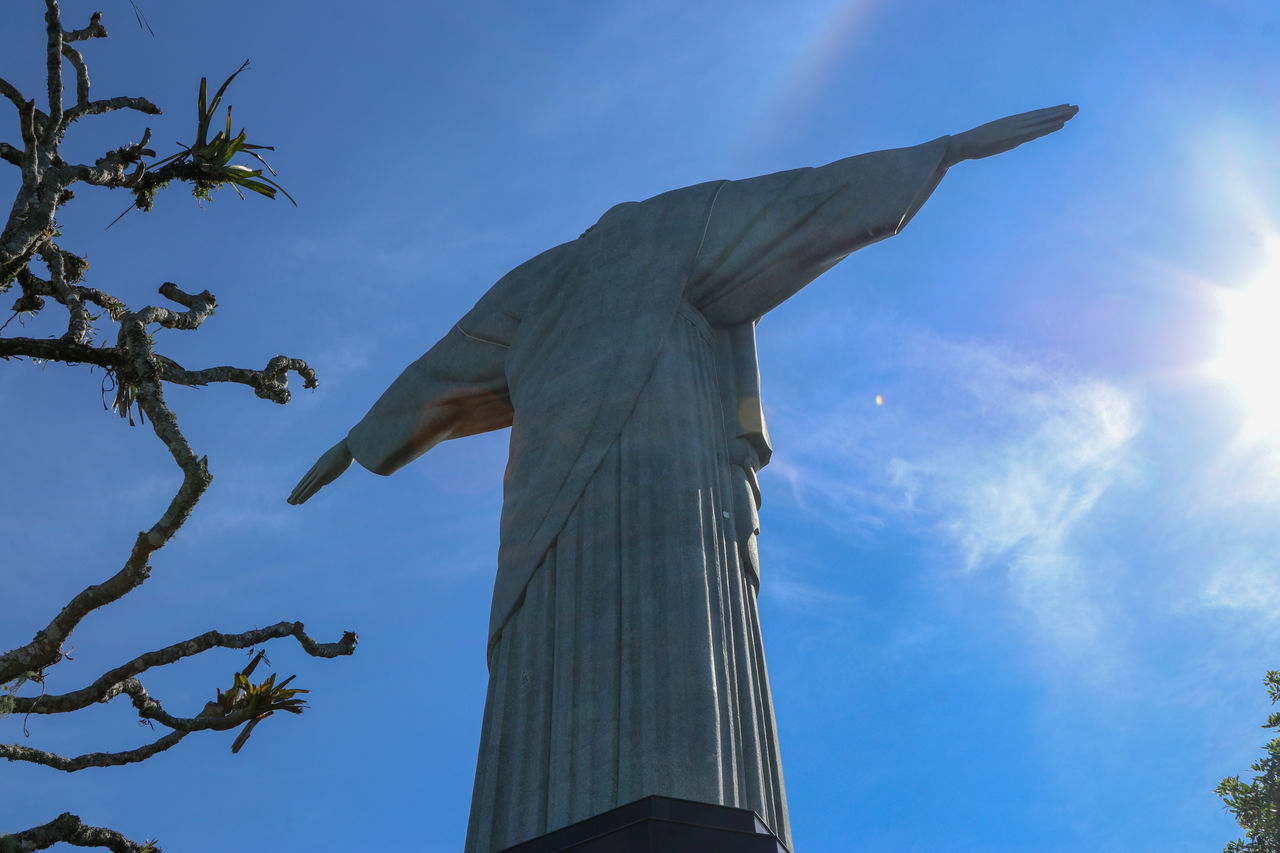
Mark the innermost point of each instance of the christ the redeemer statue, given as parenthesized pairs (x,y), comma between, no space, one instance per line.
(625,656)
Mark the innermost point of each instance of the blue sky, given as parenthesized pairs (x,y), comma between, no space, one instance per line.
(1023,605)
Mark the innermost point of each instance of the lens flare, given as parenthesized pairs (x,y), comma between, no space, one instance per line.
(1250,349)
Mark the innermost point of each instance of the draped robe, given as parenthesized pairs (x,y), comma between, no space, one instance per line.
(625,655)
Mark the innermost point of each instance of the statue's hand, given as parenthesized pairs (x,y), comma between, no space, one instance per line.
(328,468)
(996,137)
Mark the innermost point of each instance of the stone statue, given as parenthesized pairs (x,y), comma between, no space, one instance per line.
(625,655)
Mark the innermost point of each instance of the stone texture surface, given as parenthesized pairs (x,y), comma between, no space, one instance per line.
(636,659)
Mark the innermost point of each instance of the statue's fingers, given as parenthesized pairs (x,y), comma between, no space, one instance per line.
(1047,116)
(304,492)
(1035,131)
(1047,126)
(1065,110)
(306,488)
(1058,118)
(1013,141)
(1043,130)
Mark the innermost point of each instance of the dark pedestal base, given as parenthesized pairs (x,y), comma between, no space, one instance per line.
(660,825)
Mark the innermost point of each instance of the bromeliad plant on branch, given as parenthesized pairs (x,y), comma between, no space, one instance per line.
(34,262)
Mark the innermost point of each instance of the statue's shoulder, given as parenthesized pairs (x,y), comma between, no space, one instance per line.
(623,229)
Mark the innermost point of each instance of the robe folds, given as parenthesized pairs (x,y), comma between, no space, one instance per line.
(624,649)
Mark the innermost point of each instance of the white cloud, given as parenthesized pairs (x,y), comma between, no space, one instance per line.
(1028,489)
(1243,477)
(1244,585)
(1007,459)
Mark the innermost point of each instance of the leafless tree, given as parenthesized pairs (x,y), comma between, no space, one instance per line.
(33,260)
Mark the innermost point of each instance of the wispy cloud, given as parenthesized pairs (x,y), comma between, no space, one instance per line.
(1242,477)
(1245,585)
(805,597)
(1005,457)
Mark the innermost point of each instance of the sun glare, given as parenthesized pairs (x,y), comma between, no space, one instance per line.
(1250,351)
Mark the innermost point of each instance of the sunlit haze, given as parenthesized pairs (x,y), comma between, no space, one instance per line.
(1250,336)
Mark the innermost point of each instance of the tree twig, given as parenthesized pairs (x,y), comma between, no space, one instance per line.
(140,373)
(53,349)
(53,66)
(200,307)
(68,828)
(78,321)
(101,689)
(11,92)
(95,30)
(16,752)
(107,105)
(270,383)
(82,75)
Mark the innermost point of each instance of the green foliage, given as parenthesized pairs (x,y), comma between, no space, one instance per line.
(213,156)
(1256,805)
(144,197)
(260,700)
(209,159)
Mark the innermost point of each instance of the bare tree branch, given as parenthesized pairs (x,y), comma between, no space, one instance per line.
(95,30)
(196,476)
(53,65)
(34,288)
(17,249)
(11,92)
(15,752)
(29,127)
(101,689)
(68,828)
(73,268)
(108,105)
(140,366)
(82,75)
(45,649)
(104,173)
(53,349)
(109,170)
(214,717)
(244,705)
(78,321)
(271,383)
(140,373)
(200,307)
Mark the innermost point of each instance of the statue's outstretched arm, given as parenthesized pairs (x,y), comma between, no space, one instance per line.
(328,468)
(996,137)
(770,236)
